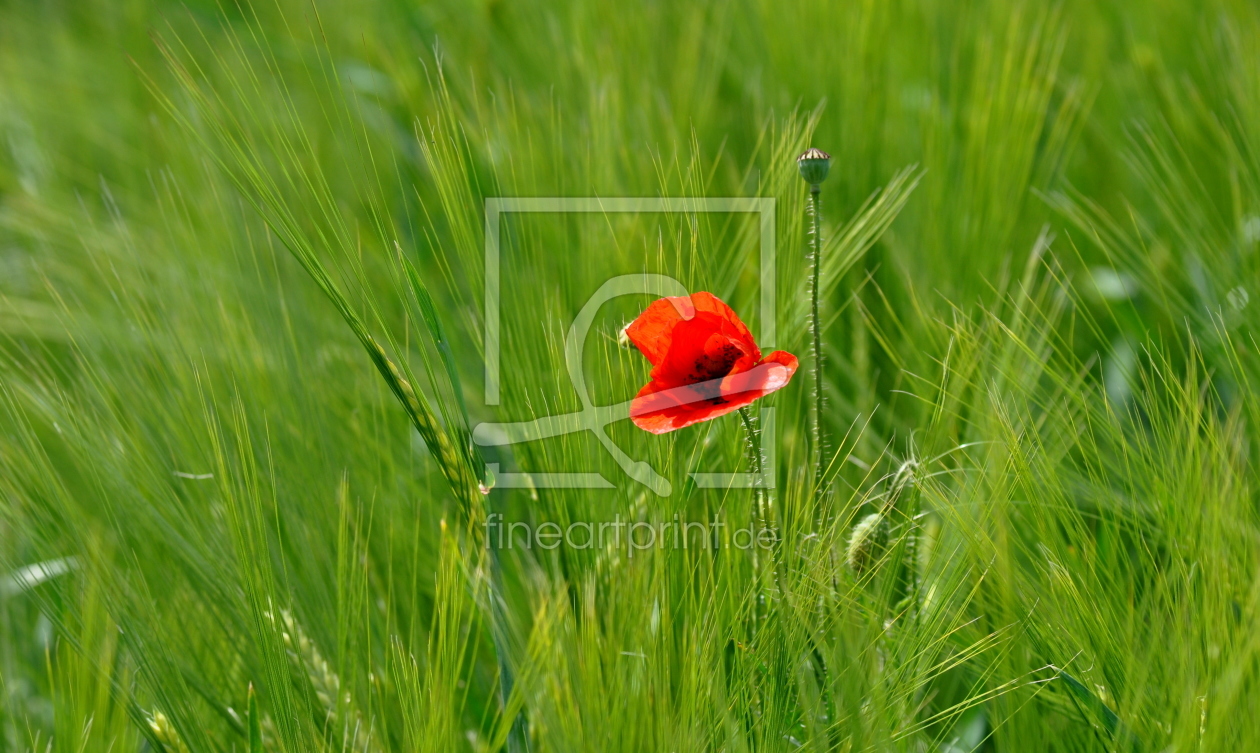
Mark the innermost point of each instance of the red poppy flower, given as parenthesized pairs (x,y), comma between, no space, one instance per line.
(705,363)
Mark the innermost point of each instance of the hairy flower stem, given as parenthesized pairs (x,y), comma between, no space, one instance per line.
(756,462)
(815,331)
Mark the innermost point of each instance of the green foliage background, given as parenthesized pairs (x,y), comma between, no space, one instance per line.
(228,521)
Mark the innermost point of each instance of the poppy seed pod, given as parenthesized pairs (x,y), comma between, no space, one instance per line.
(814,165)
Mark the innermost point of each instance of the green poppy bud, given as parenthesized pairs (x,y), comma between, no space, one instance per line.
(814,165)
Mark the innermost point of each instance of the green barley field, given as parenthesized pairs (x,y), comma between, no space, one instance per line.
(315,433)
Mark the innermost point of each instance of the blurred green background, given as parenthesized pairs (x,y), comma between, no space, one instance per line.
(1040,227)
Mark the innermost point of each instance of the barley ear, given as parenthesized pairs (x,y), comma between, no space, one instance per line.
(165,733)
(864,543)
(454,467)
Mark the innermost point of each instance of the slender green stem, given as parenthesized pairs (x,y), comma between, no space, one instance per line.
(518,739)
(755,460)
(908,577)
(815,330)
(903,509)
(756,463)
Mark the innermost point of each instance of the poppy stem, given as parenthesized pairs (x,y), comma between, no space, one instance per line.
(815,329)
(755,460)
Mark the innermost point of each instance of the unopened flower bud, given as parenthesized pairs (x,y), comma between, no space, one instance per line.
(814,165)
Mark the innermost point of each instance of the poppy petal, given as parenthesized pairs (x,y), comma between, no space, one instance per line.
(660,408)
(705,301)
(764,378)
(653,330)
(785,359)
(654,414)
(701,350)
(705,363)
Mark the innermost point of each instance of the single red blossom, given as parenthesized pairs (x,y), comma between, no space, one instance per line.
(705,363)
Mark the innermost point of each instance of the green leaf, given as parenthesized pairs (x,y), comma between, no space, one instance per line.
(433,323)
(1091,704)
(254,722)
